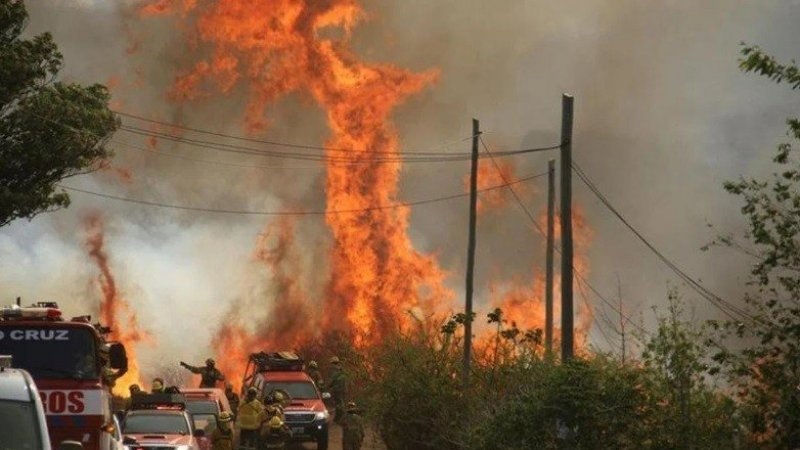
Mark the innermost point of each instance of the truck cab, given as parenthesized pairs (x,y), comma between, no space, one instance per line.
(73,367)
(304,409)
(21,411)
(159,422)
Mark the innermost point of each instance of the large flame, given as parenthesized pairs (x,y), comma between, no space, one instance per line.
(115,312)
(275,47)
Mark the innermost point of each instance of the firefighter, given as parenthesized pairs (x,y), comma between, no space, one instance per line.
(134,389)
(157,386)
(275,434)
(209,375)
(352,428)
(315,374)
(274,405)
(337,387)
(233,398)
(249,418)
(222,436)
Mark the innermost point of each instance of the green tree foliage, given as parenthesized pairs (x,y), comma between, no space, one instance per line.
(49,130)
(766,371)
(520,398)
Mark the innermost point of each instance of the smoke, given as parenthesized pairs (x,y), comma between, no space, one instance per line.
(662,118)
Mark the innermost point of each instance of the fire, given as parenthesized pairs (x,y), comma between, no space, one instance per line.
(524,303)
(115,312)
(274,48)
(490,176)
(285,325)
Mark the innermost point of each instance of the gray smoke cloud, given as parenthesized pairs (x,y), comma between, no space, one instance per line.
(663,116)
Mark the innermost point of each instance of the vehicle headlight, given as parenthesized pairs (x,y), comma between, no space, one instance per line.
(322,415)
(183,447)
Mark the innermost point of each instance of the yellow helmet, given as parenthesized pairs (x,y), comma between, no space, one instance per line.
(225,416)
(275,422)
(278,396)
(334,360)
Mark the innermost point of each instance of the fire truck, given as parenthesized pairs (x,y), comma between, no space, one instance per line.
(73,366)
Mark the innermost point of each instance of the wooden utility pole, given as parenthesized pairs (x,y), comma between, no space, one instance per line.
(622,318)
(567,314)
(473,220)
(548,302)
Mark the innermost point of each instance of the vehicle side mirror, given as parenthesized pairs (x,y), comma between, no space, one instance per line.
(199,433)
(117,357)
(326,395)
(70,445)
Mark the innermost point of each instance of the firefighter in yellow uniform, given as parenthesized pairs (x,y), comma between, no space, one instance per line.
(274,406)
(276,434)
(222,436)
(249,418)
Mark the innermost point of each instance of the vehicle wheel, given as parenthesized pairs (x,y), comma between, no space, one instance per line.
(322,441)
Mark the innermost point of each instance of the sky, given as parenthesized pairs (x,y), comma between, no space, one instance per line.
(662,117)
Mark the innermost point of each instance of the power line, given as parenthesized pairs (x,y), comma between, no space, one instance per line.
(513,192)
(359,158)
(293,213)
(279,143)
(538,228)
(611,347)
(726,307)
(208,161)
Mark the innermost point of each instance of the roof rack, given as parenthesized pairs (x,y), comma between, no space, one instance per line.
(158,401)
(277,361)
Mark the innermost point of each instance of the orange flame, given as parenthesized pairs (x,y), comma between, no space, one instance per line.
(490,176)
(275,48)
(115,311)
(524,304)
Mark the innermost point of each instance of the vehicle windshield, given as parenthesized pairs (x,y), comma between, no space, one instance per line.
(202,407)
(20,426)
(49,352)
(205,422)
(300,390)
(155,424)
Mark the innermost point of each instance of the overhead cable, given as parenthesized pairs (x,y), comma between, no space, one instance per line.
(729,309)
(292,213)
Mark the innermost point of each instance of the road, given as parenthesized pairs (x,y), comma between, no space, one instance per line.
(371,442)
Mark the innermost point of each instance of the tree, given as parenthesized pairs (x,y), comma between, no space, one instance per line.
(766,370)
(49,130)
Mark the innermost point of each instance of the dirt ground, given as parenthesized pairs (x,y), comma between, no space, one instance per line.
(371,442)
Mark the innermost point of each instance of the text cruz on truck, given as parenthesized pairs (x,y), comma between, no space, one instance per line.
(73,366)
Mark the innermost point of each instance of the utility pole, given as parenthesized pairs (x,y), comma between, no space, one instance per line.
(473,220)
(567,314)
(548,302)
(622,318)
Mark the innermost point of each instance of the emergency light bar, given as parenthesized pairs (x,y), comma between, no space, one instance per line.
(33,312)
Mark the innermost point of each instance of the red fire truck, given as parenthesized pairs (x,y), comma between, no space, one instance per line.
(73,366)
